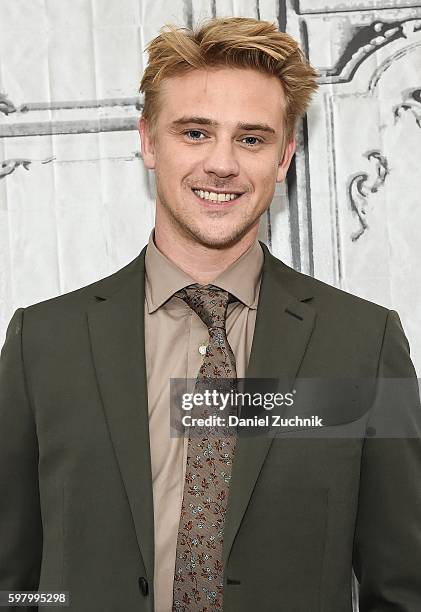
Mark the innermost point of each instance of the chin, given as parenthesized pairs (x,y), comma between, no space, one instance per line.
(218,239)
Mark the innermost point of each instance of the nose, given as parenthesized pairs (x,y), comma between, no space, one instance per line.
(221,160)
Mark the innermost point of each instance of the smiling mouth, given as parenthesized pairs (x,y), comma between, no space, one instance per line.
(213,196)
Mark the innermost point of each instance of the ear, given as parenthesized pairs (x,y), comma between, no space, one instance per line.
(286,160)
(147,144)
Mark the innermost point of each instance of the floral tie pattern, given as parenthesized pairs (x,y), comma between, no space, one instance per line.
(198,578)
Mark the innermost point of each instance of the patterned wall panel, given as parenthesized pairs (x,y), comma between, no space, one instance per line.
(357,179)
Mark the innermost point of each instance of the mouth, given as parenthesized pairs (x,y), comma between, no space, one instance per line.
(216,197)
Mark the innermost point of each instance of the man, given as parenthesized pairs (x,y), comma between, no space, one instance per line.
(98,499)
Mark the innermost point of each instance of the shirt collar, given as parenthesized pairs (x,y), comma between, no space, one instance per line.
(164,278)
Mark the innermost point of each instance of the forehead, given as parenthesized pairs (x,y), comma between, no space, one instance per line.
(224,94)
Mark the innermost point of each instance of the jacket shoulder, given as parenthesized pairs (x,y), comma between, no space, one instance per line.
(312,290)
(80,298)
(340,316)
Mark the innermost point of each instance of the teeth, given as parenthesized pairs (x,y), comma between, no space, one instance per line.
(215,197)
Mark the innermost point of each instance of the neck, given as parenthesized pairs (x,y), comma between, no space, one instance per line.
(202,263)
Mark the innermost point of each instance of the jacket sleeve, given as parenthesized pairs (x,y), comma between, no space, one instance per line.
(20,516)
(387,544)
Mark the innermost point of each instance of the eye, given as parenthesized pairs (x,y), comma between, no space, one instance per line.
(194,134)
(251,141)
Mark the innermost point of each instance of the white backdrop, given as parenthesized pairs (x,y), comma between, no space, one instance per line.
(76,203)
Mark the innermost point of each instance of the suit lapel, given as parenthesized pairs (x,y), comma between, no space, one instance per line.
(284,325)
(116,327)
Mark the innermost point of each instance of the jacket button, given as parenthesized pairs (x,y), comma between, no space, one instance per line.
(143,586)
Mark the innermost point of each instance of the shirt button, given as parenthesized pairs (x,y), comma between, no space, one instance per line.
(202,349)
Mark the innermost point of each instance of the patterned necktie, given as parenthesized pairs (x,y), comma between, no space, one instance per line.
(198,578)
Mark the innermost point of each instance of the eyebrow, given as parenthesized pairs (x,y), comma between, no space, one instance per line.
(252,127)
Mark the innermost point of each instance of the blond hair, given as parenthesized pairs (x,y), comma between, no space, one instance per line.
(238,42)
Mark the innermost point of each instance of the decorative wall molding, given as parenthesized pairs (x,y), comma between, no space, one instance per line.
(8,166)
(7,107)
(312,7)
(365,42)
(93,116)
(354,218)
(361,185)
(412,103)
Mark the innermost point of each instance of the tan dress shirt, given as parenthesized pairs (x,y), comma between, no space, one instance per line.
(173,335)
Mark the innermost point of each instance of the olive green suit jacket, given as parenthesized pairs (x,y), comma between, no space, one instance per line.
(76,508)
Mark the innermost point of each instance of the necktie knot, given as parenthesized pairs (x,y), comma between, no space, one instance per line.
(208,302)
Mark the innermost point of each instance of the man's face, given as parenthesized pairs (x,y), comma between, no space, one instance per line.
(217,153)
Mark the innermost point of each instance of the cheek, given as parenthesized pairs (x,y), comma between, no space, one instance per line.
(261,172)
(266,180)
(167,171)
(163,157)
(175,164)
